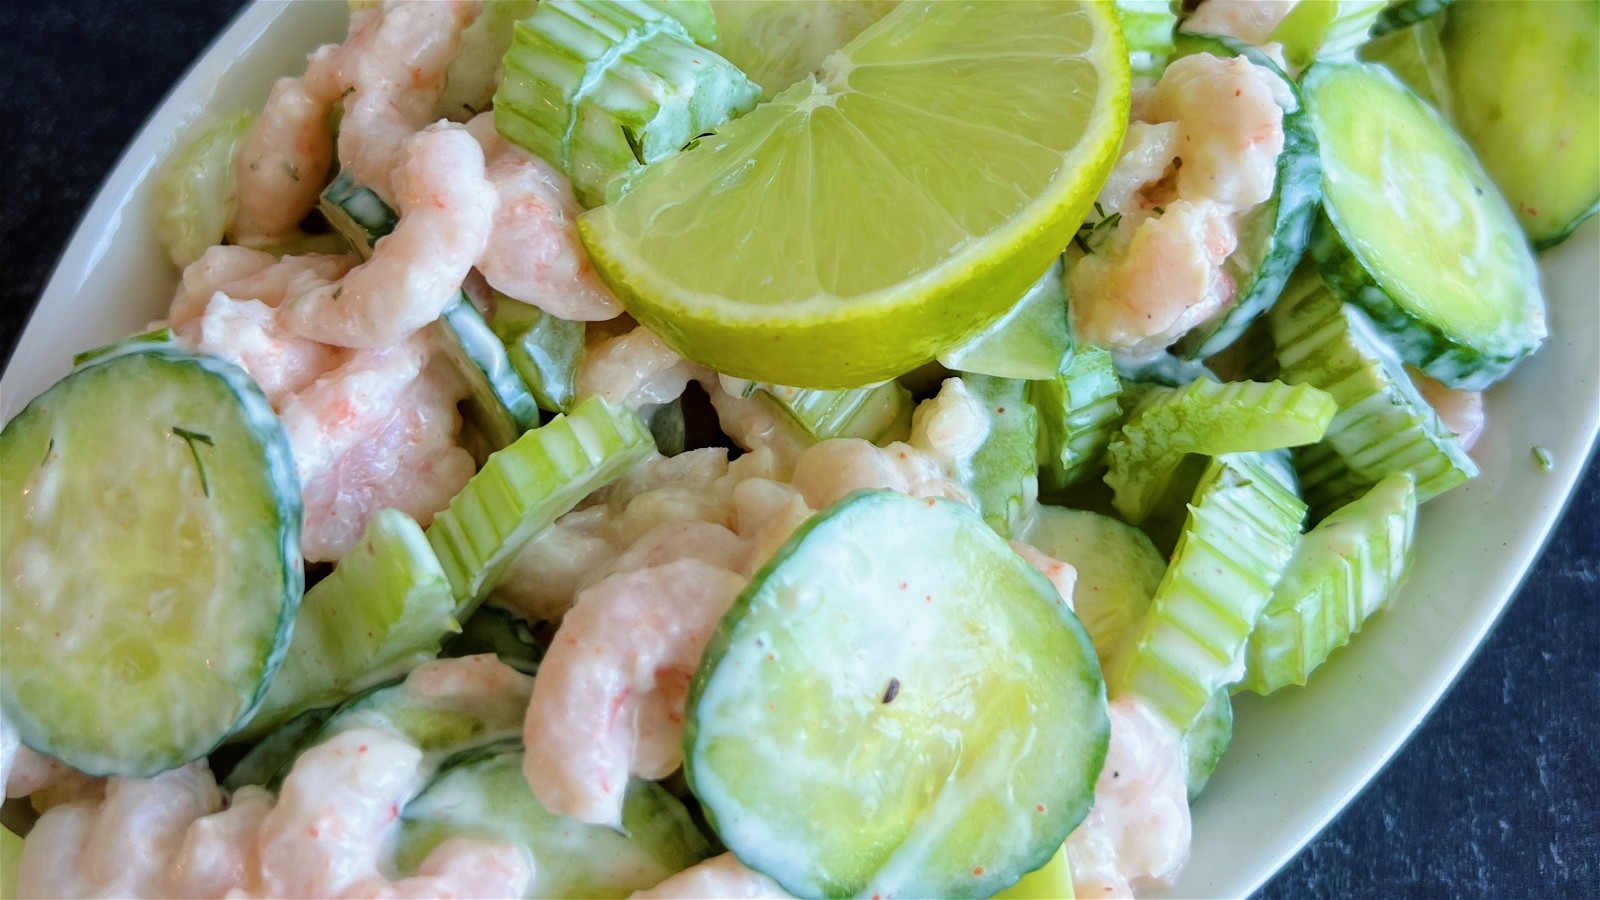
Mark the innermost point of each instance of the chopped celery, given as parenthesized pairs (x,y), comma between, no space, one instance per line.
(1029,342)
(1207,417)
(357,213)
(545,351)
(1343,571)
(1003,472)
(525,487)
(1147,26)
(194,197)
(1078,412)
(600,88)
(1383,425)
(1238,538)
(385,607)
(880,414)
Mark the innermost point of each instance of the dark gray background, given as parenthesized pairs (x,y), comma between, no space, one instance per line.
(1498,794)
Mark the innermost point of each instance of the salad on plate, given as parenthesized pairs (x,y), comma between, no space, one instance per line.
(670,448)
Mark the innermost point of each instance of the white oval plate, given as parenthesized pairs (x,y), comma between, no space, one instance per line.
(1297,757)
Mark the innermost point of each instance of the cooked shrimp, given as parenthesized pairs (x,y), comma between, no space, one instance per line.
(751,422)
(1062,575)
(1137,832)
(446,210)
(608,700)
(220,852)
(392,70)
(1251,21)
(247,333)
(216,268)
(718,878)
(1460,411)
(282,163)
(636,370)
(534,254)
(459,867)
(1201,154)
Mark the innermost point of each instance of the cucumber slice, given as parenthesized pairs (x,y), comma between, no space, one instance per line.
(1527,78)
(495,629)
(385,607)
(357,213)
(1416,57)
(1383,424)
(1147,26)
(545,351)
(155,338)
(1343,571)
(1273,237)
(151,516)
(484,794)
(501,407)
(527,486)
(1078,413)
(1400,14)
(1003,473)
(1052,881)
(1118,569)
(1209,418)
(1326,29)
(1236,543)
(1030,342)
(194,195)
(470,79)
(601,88)
(879,414)
(1206,741)
(1414,231)
(898,704)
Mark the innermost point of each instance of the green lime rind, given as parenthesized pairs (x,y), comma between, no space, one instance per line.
(385,607)
(1383,424)
(1236,543)
(600,89)
(151,591)
(1078,414)
(1208,418)
(1344,570)
(522,489)
(484,794)
(838,664)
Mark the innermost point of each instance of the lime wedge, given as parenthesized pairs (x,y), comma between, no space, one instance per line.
(866,220)
(778,42)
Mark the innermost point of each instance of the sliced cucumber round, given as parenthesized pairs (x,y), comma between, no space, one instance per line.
(1118,569)
(1206,740)
(1273,237)
(1527,78)
(151,561)
(1416,233)
(500,406)
(545,350)
(484,794)
(357,213)
(898,704)
(1003,473)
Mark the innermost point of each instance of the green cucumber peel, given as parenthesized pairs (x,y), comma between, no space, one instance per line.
(545,350)
(1118,570)
(1401,14)
(1206,740)
(500,407)
(1344,570)
(1207,418)
(1031,341)
(357,213)
(155,338)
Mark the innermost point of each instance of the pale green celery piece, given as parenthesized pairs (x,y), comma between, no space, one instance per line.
(1383,424)
(1003,473)
(527,486)
(1326,29)
(1030,342)
(142,341)
(194,195)
(1206,741)
(696,17)
(1147,26)
(1207,418)
(600,88)
(483,793)
(1078,412)
(1118,570)
(499,406)
(1415,55)
(1236,543)
(1343,571)
(545,350)
(357,213)
(879,414)
(385,607)
(472,75)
